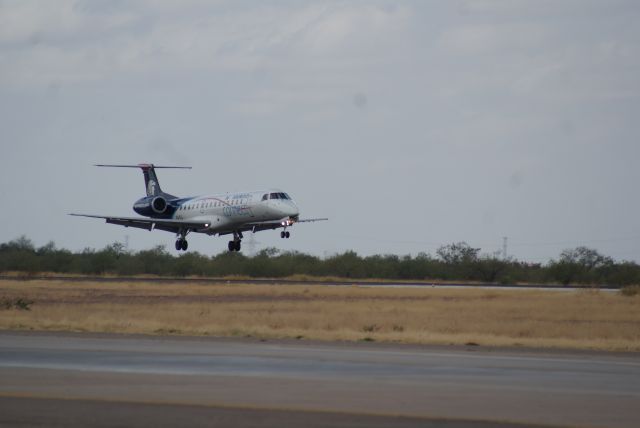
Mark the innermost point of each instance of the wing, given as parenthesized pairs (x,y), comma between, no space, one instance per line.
(308,220)
(168,225)
(267,225)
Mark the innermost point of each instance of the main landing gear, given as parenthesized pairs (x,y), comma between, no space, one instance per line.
(284,234)
(235,244)
(181,242)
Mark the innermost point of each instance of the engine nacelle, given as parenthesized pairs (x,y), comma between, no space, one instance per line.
(159,205)
(152,206)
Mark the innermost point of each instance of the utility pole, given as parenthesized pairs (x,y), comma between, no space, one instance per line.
(504,248)
(252,244)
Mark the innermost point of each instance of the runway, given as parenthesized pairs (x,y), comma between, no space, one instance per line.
(104,380)
(285,281)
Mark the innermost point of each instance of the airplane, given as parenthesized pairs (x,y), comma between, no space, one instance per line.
(217,214)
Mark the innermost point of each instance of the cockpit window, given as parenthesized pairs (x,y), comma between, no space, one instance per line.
(265,196)
(286,196)
(279,195)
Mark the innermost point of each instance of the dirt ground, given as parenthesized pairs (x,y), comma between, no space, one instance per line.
(538,318)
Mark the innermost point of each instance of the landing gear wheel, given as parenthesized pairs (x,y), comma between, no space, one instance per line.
(182,244)
(282,234)
(286,235)
(231,246)
(237,245)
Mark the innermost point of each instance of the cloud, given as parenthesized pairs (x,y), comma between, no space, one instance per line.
(69,42)
(444,105)
(492,38)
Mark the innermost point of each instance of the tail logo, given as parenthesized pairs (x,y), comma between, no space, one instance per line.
(151,188)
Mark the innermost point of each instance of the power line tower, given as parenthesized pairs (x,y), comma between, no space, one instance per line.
(504,248)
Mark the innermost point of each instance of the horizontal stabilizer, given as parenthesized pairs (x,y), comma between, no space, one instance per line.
(143,165)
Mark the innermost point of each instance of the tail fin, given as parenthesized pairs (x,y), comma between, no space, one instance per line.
(151,183)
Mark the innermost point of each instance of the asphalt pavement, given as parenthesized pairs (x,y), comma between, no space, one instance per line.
(56,379)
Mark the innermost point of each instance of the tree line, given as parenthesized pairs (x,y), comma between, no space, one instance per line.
(453,262)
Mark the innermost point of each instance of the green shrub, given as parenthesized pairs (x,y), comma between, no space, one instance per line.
(630,290)
(19,304)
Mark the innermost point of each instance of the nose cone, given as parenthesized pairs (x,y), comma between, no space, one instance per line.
(290,209)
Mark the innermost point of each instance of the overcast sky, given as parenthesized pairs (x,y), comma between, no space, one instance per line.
(409,124)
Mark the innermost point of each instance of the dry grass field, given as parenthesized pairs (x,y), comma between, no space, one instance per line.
(574,319)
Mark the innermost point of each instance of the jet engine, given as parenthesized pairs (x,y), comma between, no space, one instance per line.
(153,206)
(159,205)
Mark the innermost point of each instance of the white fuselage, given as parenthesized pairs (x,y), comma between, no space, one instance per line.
(228,211)
(218,214)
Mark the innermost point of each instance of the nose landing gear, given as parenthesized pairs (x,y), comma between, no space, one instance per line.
(284,234)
